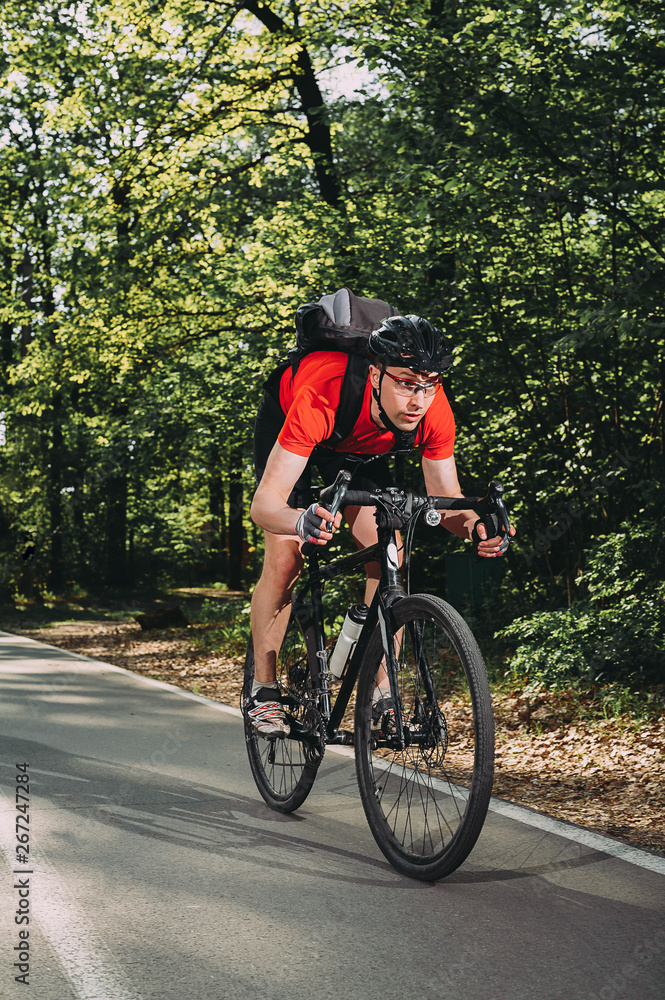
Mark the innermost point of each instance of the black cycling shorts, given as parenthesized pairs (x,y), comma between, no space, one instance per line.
(370,475)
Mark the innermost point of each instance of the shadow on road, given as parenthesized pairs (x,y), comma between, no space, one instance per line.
(150,803)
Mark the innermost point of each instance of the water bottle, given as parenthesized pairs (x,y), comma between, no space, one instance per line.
(351,629)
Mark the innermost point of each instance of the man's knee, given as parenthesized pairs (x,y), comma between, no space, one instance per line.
(282,565)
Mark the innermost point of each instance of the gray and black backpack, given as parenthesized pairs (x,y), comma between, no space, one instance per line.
(340,322)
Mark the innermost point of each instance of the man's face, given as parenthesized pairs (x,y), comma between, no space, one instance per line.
(405,409)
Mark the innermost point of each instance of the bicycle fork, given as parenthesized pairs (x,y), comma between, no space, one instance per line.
(390,592)
(427,718)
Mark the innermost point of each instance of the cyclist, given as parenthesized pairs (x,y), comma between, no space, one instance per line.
(402,394)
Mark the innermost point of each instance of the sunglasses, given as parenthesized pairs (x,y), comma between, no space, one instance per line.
(406,387)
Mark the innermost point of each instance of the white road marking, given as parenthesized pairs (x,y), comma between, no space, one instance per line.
(85,959)
(596,841)
(530,817)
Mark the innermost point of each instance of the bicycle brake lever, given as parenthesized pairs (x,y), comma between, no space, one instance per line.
(502,515)
(498,511)
(335,493)
(342,483)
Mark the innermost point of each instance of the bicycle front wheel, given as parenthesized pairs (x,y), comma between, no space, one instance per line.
(426,802)
(284,769)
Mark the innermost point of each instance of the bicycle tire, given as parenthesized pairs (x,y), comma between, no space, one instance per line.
(426,804)
(284,769)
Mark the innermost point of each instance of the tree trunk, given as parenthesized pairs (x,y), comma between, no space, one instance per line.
(236,532)
(313,107)
(115,476)
(56,577)
(26,275)
(6,330)
(115,489)
(56,458)
(218,518)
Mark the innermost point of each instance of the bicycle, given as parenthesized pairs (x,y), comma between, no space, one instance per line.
(424,769)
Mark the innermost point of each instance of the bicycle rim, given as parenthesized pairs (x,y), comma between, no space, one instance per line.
(284,769)
(426,803)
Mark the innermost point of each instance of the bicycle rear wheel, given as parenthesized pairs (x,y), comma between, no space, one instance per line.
(284,769)
(426,803)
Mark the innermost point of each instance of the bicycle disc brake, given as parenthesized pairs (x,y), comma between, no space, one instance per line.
(432,734)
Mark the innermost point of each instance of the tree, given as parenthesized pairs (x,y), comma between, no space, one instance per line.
(178,180)
(526,143)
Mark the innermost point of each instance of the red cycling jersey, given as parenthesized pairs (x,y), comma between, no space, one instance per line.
(310,401)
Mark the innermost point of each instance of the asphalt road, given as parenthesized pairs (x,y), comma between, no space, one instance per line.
(156,871)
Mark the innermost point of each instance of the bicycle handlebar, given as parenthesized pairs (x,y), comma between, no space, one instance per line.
(365,498)
(405,506)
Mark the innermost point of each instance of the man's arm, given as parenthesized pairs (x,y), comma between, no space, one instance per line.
(441,480)
(270,509)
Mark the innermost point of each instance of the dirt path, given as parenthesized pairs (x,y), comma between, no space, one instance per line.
(606,776)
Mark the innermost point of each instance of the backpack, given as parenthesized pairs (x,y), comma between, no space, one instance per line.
(340,322)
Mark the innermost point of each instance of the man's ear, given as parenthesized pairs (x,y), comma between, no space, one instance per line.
(375,375)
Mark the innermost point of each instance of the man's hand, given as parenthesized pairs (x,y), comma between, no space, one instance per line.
(488,548)
(316,525)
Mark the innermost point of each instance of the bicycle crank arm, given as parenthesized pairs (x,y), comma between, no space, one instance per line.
(301,734)
(340,738)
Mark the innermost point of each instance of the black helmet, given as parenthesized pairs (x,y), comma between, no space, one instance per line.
(413,342)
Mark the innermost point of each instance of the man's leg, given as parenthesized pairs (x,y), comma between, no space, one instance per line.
(271,606)
(363,529)
(271,602)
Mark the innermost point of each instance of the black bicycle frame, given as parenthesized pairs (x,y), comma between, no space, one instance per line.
(308,609)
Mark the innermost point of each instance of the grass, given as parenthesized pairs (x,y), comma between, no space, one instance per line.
(119,607)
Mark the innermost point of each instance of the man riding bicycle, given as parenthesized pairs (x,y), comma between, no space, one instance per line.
(403,401)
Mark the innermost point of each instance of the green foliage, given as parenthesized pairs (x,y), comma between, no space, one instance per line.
(583,645)
(230,621)
(629,564)
(617,635)
(619,701)
(176,182)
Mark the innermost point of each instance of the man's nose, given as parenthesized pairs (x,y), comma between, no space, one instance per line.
(415,397)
